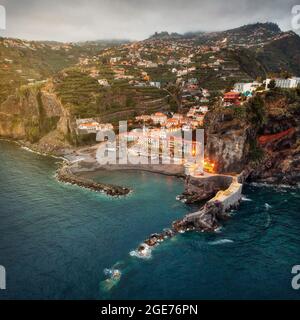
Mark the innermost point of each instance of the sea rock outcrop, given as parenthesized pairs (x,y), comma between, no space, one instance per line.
(197,190)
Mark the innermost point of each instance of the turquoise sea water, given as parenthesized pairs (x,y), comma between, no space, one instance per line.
(56,239)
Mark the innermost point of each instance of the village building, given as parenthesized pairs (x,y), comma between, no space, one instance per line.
(289,83)
(246,88)
(103,82)
(179,117)
(200,119)
(92,126)
(173,122)
(89,127)
(144,118)
(114,60)
(203,109)
(159,118)
(155,84)
(231,98)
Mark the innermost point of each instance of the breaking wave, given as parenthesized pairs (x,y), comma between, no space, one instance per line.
(221,241)
(267,206)
(246,199)
(146,253)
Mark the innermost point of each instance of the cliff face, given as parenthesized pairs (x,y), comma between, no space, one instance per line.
(226,140)
(279,139)
(262,135)
(37,116)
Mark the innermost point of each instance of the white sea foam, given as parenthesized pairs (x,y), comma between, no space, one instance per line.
(269,221)
(43,154)
(221,241)
(112,273)
(114,276)
(246,199)
(267,206)
(274,186)
(144,254)
(219,229)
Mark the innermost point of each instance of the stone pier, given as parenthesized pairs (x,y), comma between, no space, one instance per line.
(215,209)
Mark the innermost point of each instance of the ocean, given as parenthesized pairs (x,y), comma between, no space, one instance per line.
(56,240)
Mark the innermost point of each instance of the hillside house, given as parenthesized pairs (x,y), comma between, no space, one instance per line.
(103,82)
(159,118)
(231,98)
(246,88)
(290,83)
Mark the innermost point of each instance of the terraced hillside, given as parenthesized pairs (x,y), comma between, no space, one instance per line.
(23,62)
(84,97)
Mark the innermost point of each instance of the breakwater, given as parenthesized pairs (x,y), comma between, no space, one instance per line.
(65,174)
(209,216)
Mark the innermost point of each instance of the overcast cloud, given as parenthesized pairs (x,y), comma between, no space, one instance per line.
(79,20)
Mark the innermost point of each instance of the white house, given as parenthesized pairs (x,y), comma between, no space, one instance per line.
(246,87)
(284,83)
(103,82)
(155,84)
(203,109)
(115,59)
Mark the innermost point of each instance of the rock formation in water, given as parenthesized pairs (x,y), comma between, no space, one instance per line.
(197,190)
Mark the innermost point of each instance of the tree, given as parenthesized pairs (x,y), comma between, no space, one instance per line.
(259,79)
(175,94)
(285,74)
(272,84)
(255,110)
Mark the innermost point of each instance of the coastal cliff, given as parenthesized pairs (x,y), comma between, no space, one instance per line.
(278,139)
(36,116)
(259,139)
(262,136)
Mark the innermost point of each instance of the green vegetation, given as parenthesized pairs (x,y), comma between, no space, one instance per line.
(272,84)
(238,111)
(79,92)
(256,153)
(32,129)
(255,111)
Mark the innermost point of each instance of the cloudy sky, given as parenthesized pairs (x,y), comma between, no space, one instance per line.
(78,20)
